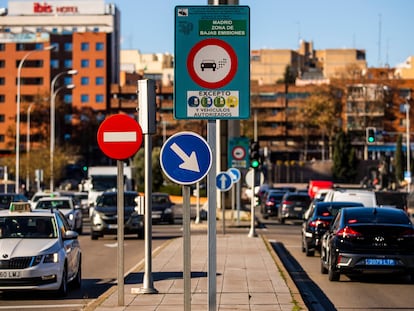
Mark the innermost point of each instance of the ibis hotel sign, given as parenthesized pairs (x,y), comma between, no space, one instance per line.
(212,62)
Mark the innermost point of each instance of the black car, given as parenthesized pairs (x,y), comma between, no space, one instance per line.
(271,204)
(317,221)
(368,240)
(162,208)
(293,205)
(104,218)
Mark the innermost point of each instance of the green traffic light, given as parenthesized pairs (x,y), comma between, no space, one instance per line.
(371,139)
(254,163)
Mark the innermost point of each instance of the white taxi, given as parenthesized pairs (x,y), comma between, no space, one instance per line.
(38,251)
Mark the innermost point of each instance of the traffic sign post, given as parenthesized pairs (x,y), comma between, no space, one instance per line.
(238,152)
(224,182)
(212,62)
(235,175)
(120,137)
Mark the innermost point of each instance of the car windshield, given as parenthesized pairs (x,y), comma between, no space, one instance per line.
(111,200)
(5,201)
(56,204)
(27,227)
(160,199)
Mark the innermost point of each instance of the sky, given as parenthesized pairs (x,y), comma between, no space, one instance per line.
(383,28)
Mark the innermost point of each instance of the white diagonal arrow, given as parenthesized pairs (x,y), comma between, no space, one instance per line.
(190,163)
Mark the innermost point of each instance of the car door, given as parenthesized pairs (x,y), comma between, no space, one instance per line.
(71,246)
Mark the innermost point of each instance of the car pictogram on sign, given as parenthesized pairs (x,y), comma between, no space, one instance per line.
(208,63)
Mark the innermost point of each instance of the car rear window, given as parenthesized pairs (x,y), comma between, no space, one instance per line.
(379,215)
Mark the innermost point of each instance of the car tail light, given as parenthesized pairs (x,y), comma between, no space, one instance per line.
(409,233)
(348,232)
(318,223)
(286,202)
(270,203)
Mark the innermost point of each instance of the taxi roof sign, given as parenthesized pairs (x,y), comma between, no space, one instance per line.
(20,207)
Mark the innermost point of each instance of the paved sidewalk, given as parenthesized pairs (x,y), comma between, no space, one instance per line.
(249,277)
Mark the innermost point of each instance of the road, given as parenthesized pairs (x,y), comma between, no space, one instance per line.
(365,293)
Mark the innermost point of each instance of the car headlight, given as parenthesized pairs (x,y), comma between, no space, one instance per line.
(71,216)
(51,258)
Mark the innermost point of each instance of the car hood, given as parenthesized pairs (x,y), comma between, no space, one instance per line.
(112,210)
(17,247)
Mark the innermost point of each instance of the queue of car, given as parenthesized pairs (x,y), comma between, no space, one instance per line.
(355,231)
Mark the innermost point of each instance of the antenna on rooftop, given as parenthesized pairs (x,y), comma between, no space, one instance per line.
(379,41)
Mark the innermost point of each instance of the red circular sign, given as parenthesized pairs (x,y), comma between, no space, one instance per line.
(238,153)
(207,58)
(119,136)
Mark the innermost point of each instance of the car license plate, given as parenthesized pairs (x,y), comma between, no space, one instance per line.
(112,226)
(9,274)
(379,262)
(297,209)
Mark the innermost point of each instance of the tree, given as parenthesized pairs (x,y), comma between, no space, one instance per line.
(399,160)
(345,162)
(139,166)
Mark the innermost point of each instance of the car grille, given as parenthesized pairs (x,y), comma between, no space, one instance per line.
(17,263)
(27,281)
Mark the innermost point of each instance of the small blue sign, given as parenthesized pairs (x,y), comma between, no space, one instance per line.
(186,158)
(223,181)
(234,174)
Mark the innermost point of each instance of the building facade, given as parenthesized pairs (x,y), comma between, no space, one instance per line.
(49,39)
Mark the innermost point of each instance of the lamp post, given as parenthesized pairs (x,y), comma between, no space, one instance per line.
(52,119)
(28,148)
(19,71)
(407,116)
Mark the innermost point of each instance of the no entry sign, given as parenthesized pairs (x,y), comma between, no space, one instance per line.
(119,137)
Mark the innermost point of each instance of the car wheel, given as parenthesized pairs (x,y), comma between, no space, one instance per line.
(141,234)
(63,289)
(323,268)
(303,244)
(309,252)
(77,281)
(333,275)
(282,220)
(94,236)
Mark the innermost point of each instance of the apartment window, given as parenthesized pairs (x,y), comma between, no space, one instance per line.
(99,98)
(99,63)
(2,138)
(31,81)
(39,46)
(68,120)
(67,98)
(68,80)
(84,98)
(85,46)
(2,80)
(55,47)
(2,118)
(85,63)
(54,63)
(55,30)
(85,81)
(99,81)
(2,98)
(96,29)
(2,46)
(68,46)
(99,46)
(68,63)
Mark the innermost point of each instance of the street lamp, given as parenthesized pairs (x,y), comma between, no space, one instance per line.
(52,118)
(28,148)
(19,70)
(407,117)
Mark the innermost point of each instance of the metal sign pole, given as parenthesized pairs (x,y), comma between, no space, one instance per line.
(211,232)
(223,213)
(187,248)
(238,202)
(148,283)
(252,232)
(120,231)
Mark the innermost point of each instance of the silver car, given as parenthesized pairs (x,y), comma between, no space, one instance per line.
(66,205)
(38,250)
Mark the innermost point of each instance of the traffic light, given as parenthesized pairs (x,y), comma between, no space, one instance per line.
(371,135)
(254,154)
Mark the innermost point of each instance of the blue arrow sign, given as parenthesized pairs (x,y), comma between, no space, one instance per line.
(223,181)
(185,158)
(234,174)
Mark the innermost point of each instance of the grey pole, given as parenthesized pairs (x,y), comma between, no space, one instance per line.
(186,248)
(120,231)
(211,232)
(252,232)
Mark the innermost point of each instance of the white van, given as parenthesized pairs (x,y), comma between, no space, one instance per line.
(366,197)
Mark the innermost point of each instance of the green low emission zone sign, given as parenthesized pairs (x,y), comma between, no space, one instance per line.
(212,62)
